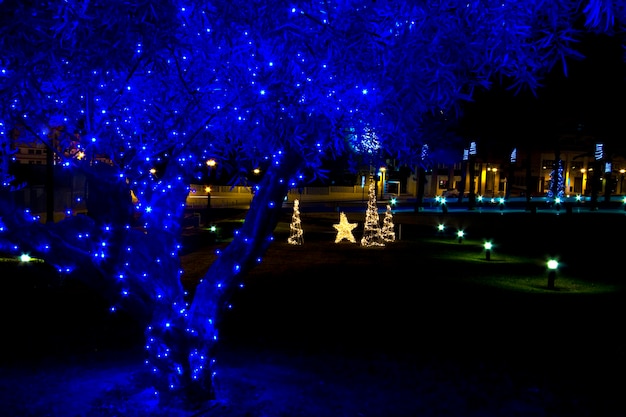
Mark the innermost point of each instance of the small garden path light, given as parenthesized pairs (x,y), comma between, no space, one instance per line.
(488,246)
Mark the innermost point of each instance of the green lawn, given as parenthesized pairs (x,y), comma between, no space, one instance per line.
(423,302)
(522,245)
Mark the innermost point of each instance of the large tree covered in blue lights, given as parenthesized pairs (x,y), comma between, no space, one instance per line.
(137,96)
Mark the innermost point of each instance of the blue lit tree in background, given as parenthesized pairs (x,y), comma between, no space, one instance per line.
(556,186)
(146,92)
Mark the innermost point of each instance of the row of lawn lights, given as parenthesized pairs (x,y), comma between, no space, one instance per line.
(501,200)
(551,264)
(479,199)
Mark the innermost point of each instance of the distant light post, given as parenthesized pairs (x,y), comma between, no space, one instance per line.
(493,192)
(583,173)
(494,171)
(460,235)
(210,163)
(501,202)
(382,181)
(207,189)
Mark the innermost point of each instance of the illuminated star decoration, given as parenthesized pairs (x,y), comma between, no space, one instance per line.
(344,229)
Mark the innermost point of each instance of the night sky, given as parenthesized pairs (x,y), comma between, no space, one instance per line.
(590,101)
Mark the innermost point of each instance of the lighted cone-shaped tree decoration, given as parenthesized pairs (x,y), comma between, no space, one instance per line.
(389,234)
(372,234)
(296,237)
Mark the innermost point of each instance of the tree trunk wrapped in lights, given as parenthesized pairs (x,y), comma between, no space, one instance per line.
(213,294)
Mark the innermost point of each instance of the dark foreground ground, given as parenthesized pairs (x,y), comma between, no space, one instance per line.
(422,327)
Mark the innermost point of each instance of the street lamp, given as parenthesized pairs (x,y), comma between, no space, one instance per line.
(211,163)
(382,181)
(207,189)
(494,170)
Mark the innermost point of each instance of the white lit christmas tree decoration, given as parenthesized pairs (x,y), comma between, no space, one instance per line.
(372,234)
(388,232)
(296,237)
(344,229)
